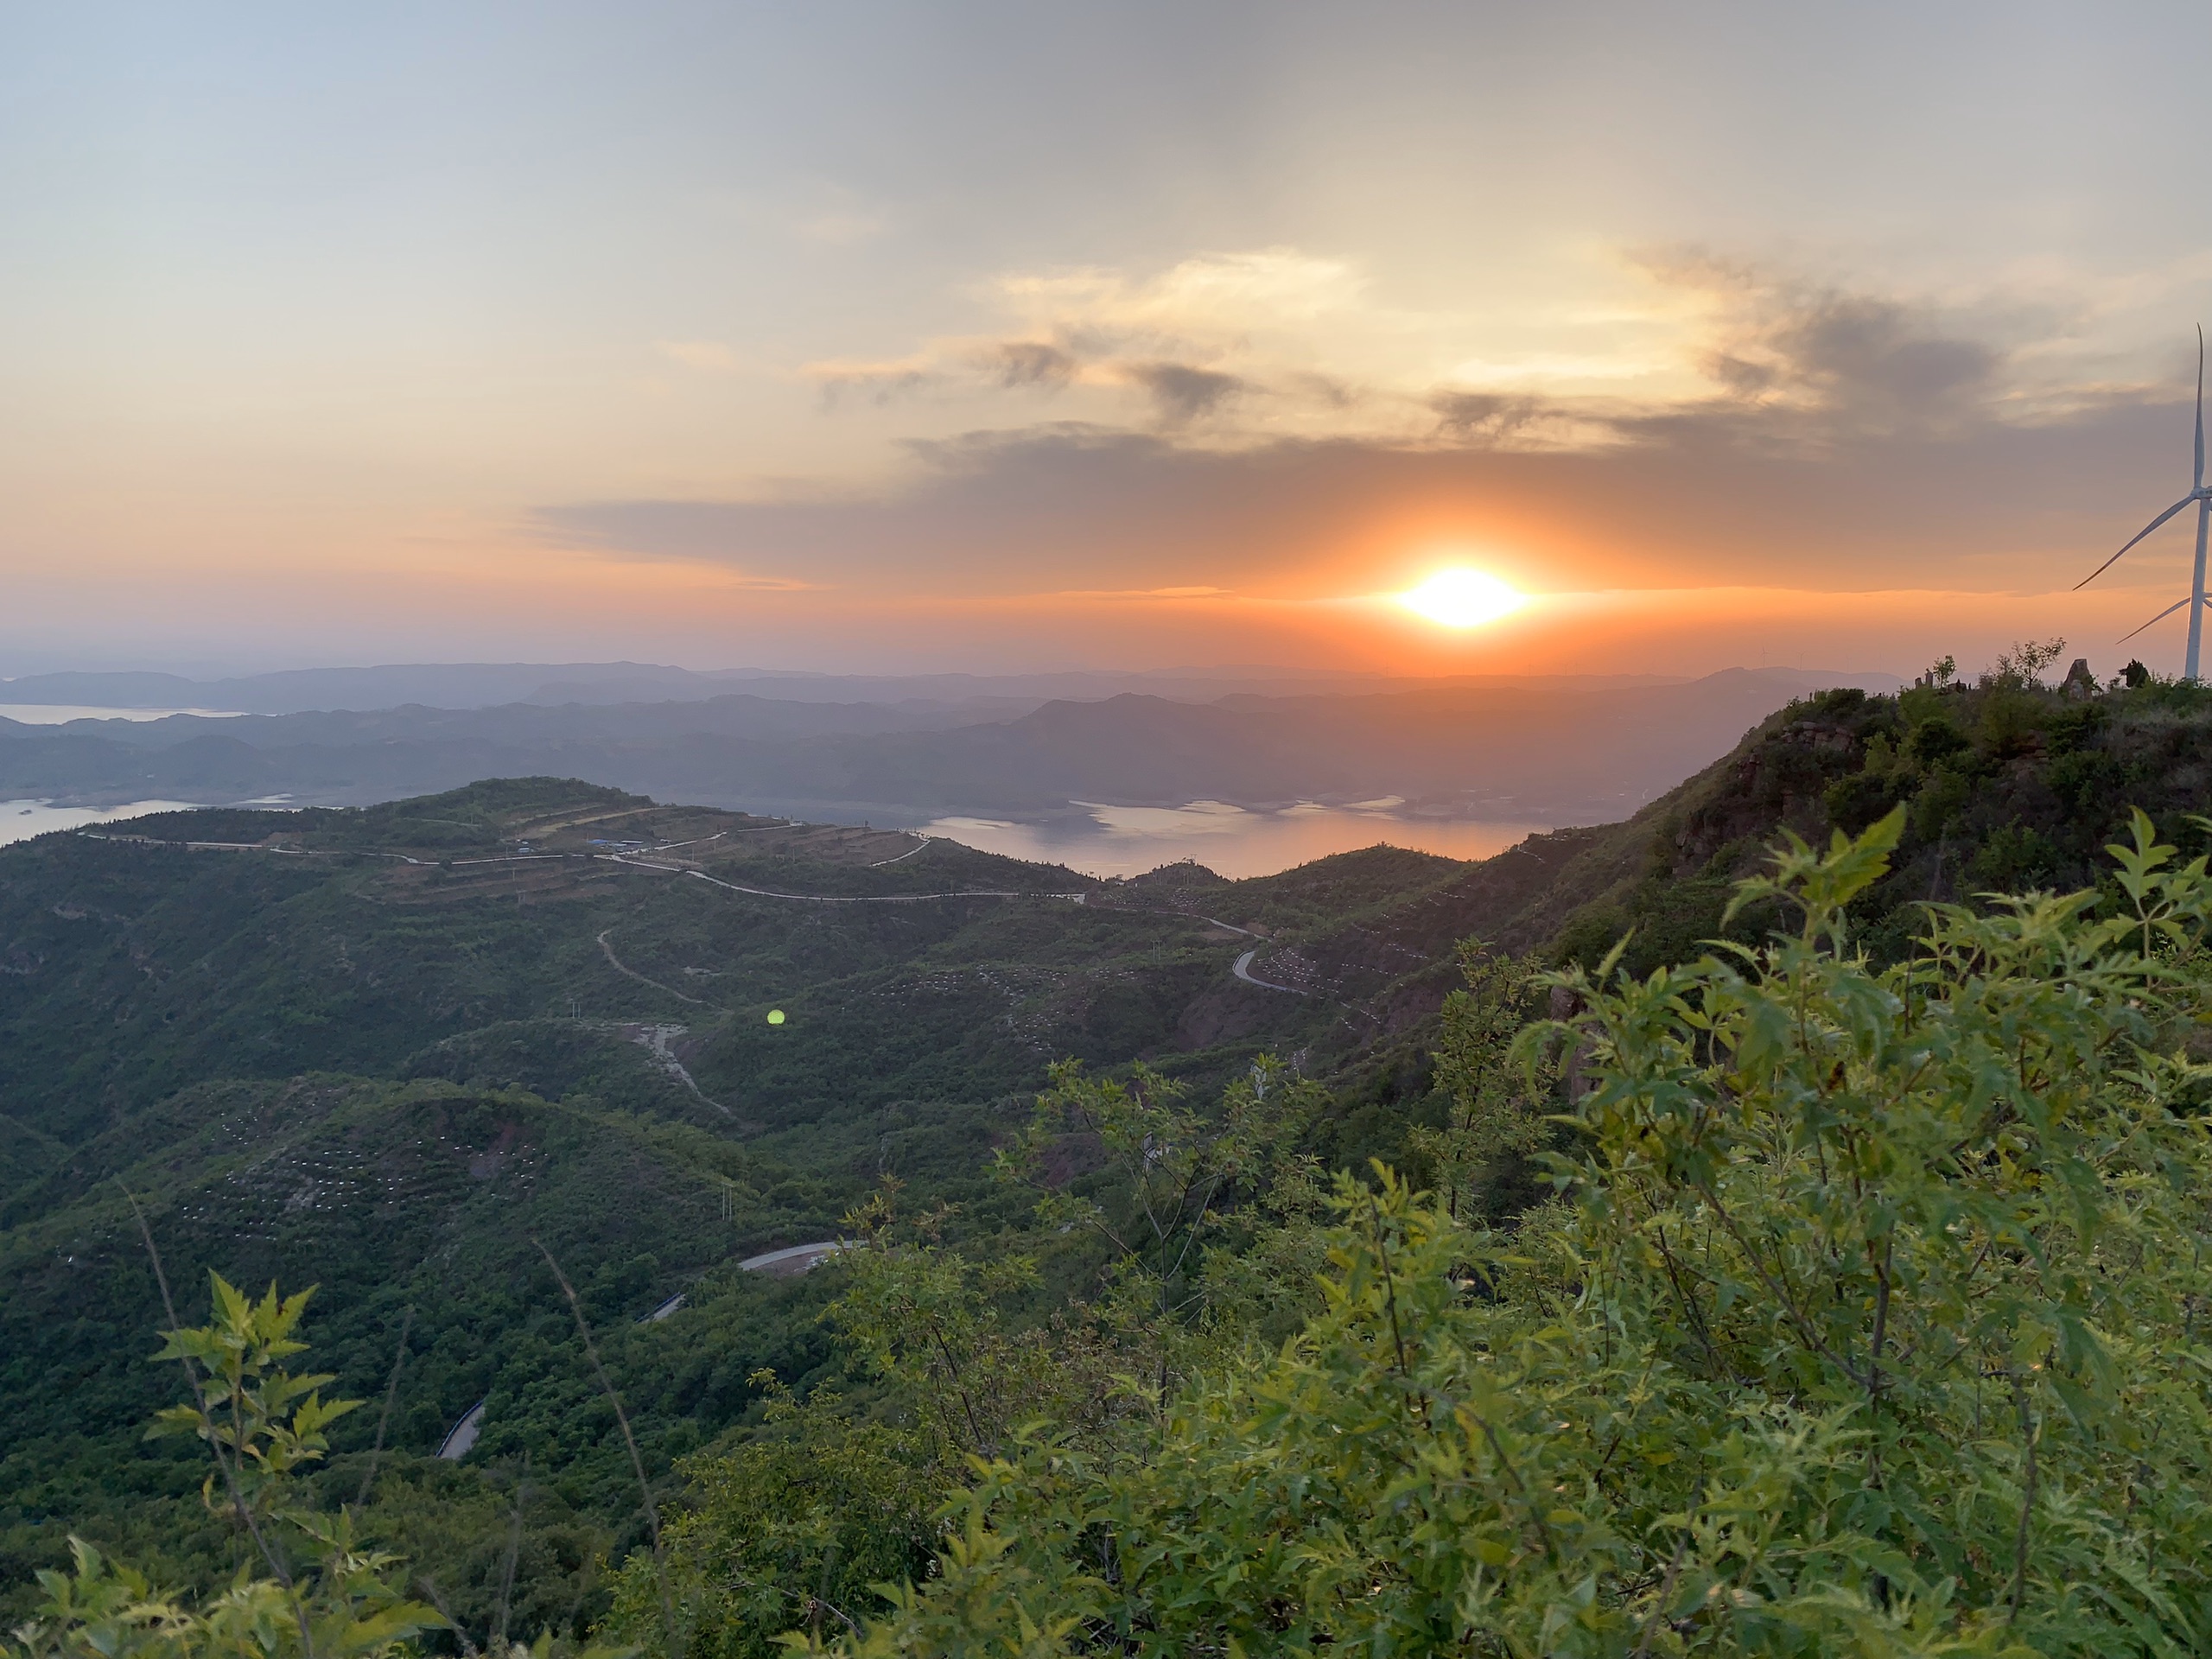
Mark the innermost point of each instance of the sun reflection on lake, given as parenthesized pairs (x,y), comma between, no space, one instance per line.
(1232,840)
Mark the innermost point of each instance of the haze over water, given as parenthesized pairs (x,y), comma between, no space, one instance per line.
(20,820)
(1104,841)
(60,714)
(1230,841)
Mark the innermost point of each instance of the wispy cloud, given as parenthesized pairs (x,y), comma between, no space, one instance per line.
(1275,342)
(1016,363)
(877,382)
(1189,341)
(1862,361)
(1182,393)
(1206,298)
(1484,418)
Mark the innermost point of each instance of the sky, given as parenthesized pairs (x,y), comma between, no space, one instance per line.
(1001,337)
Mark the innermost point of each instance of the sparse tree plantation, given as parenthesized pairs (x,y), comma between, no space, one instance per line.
(1777,1237)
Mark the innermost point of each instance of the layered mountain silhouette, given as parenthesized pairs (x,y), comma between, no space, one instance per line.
(1567,752)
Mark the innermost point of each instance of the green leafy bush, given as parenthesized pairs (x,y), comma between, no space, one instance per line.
(794,1528)
(1865,1321)
(307,1590)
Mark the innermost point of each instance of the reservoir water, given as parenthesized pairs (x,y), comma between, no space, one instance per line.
(20,820)
(56,714)
(1232,841)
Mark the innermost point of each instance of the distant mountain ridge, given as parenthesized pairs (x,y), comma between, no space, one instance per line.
(483,685)
(1574,754)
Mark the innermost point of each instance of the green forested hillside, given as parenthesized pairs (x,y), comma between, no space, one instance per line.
(420,1054)
(2006,785)
(383,1051)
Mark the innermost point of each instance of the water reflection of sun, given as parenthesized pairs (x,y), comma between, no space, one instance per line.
(1232,841)
(1460,598)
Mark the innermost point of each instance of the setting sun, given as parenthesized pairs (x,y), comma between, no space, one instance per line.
(1462,599)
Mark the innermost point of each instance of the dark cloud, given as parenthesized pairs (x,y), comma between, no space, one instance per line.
(1863,362)
(1181,393)
(1320,389)
(1014,363)
(1843,362)
(1482,417)
(1690,498)
(1849,442)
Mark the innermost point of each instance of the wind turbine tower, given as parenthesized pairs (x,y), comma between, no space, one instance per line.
(2203,497)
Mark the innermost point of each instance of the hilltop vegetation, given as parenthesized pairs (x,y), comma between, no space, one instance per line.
(2007,784)
(422,1053)
(1864,1321)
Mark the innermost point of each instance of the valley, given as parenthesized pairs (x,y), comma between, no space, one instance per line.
(413,1051)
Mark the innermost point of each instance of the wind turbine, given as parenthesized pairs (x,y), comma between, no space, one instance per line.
(2203,497)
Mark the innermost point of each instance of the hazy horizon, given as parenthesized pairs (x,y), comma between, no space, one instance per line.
(869,337)
(206,672)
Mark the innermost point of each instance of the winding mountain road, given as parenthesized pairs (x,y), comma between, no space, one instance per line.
(605,945)
(630,862)
(798,1259)
(1243,968)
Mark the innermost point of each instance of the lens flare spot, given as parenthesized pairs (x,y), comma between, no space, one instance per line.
(1462,599)
(775,1016)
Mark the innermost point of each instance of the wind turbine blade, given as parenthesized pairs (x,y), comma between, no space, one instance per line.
(2138,537)
(2160,617)
(2200,405)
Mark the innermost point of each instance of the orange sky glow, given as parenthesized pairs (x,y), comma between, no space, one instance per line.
(761,346)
